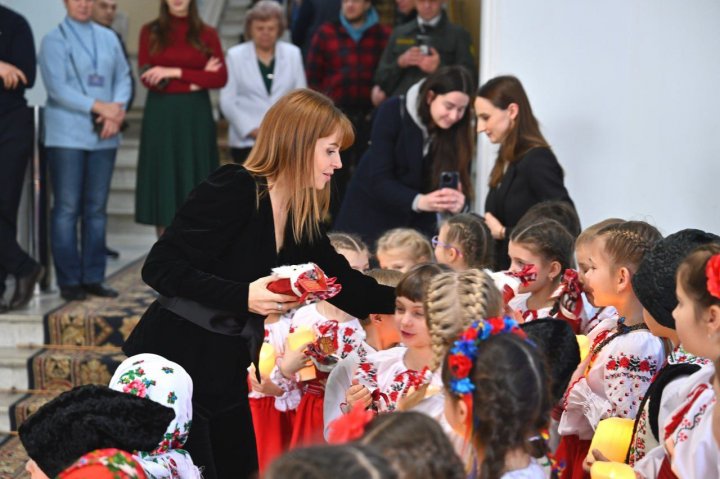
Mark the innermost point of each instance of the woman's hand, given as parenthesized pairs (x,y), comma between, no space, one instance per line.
(293,360)
(156,74)
(429,63)
(262,301)
(442,200)
(213,65)
(497,230)
(357,393)
(110,128)
(109,111)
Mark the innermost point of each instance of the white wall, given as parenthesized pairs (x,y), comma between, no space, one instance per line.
(627,93)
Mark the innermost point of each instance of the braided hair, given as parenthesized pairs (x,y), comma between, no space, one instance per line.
(415,444)
(511,401)
(453,301)
(628,242)
(472,235)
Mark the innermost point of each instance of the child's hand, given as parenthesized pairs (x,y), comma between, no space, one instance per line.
(265,387)
(592,457)
(357,393)
(293,361)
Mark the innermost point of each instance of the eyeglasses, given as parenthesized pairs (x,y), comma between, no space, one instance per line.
(435,241)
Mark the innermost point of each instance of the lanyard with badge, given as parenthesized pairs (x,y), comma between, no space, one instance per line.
(94,79)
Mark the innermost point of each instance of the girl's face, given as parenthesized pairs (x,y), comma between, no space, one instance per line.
(600,285)
(395,258)
(521,256)
(264,33)
(691,323)
(179,8)
(581,255)
(79,10)
(327,160)
(410,321)
(447,109)
(359,260)
(495,122)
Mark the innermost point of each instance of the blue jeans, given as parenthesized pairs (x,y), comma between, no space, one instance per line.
(81,184)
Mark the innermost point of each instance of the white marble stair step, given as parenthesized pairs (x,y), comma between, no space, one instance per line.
(13,367)
(7,399)
(21,327)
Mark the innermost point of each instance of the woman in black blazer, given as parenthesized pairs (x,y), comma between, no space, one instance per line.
(414,138)
(526,171)
(212,265)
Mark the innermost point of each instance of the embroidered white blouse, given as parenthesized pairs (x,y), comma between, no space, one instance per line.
(611,381)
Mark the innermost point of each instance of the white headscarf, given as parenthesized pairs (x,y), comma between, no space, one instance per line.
(167,383)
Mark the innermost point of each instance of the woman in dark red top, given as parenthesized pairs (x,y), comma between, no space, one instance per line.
(181,58)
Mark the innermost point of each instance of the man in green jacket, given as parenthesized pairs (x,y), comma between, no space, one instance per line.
(417,48)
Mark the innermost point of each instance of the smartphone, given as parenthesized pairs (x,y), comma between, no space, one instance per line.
(423,42)
(449,179)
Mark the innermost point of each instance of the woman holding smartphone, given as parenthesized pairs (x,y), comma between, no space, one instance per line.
(417,140)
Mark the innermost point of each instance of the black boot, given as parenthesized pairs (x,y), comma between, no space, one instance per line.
(25,286)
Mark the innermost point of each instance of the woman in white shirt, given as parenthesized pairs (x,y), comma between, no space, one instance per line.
(260,71)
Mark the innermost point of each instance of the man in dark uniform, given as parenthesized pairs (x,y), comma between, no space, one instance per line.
(417,48)
(17,72)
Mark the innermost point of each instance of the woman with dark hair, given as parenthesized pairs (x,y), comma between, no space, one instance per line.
(213,265)
(181,58)
(415,139)
(526,171)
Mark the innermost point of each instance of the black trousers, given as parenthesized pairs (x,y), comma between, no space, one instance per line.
(222,440)
(16,141)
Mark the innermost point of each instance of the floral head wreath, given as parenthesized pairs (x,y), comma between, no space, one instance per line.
(712,272)
(462,355)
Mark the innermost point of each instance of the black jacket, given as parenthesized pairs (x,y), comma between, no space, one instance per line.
(535,177)
(389,176)
(218,243)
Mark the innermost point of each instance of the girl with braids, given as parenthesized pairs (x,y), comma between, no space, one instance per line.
(624,355)
(463,242)
(350,461)
(689,447)
(555,290)
(498,398)
(181,59)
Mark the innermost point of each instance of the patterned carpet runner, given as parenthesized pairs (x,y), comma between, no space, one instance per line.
(83,340)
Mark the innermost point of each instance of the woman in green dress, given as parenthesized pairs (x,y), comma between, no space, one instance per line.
(181,58)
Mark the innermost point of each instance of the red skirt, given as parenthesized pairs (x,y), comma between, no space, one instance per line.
(666,471)
(572,451)
(309,424)
(273,430)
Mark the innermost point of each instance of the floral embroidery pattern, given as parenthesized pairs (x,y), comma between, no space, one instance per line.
(386,399)
(631,363)
(104,463)
(135,383)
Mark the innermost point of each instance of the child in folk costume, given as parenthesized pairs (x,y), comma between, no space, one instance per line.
(272,405)
(582,243)
(690,450)
(464,241)
(654,285)
(382,380)
(623,356)
(498,399)
(555,292)
(402,248)
(332,334)
(381,333)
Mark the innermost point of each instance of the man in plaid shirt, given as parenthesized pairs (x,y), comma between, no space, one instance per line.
(341,63)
